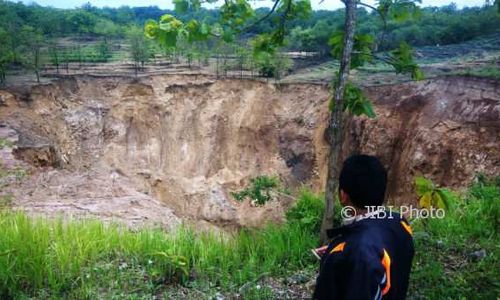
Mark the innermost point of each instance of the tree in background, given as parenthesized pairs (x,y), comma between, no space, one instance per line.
(350,48)
(32,41)
(6,54)
(140,50)
(55,56)
(104,51)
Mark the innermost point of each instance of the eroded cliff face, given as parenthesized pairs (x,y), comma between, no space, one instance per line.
(184,141)
(164,148)
(447,129)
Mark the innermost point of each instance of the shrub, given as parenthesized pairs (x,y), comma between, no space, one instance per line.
(307,212)
(259,190)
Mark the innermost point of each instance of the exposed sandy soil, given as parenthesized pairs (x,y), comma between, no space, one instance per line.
(161,149)
(447,129)
(184,140)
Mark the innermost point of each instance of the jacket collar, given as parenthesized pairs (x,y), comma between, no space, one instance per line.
(349,223)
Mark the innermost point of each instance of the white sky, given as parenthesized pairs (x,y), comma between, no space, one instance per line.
(326,4)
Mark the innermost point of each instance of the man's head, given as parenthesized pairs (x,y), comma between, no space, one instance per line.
(362,181)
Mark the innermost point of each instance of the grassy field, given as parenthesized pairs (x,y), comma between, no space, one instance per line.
(456,258)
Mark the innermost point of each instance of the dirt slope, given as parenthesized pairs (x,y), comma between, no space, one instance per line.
(447,129)
(160,148)
(186,141)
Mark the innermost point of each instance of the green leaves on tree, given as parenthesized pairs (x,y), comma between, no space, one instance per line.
(234,18)
(196,31)
(165,31)
(430,195)
(355,102)
(362,49)
(168,30)
(235,13)
(295,9)
(398,10)
(402,61)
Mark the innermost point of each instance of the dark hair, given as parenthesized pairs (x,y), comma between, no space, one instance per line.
(364,179)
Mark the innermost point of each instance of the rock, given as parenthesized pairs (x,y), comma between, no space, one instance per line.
(311,284)
(478,255)
(244,287)
(219,296)
(298,278)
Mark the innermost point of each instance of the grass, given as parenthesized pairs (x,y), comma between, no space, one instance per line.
(5,143)
(486,72)
(449,262)
(85,259)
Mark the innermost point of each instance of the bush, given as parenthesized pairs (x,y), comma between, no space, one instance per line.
(276,65)
(307,212)
(259,190)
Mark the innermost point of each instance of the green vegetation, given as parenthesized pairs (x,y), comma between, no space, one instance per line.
(456,257)
(4,143)
(486,72)
(430,195)
(307,211)
(140,48)
(259,190)
(88,260)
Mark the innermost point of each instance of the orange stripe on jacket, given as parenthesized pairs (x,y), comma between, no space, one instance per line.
(386,262)
(407,227)
(338,248)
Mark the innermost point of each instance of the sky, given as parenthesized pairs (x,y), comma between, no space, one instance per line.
(317,4)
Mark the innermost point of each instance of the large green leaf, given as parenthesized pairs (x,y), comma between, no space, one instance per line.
(196,31)
(445,197)
(423,185)
(356,102)
(426,200)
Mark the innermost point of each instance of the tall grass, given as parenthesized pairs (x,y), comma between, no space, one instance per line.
(87,259)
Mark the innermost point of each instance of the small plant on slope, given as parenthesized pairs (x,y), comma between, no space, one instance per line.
(259,190)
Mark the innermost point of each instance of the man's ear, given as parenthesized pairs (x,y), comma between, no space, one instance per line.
(344,198)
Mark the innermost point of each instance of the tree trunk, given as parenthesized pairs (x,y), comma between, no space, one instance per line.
(334,133)
(2,76)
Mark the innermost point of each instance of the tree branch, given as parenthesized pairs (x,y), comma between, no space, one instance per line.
(273,9)
(382,16)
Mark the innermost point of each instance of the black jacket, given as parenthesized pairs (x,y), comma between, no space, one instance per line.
(368,259)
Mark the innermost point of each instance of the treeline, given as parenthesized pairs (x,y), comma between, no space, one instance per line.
(436,25)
